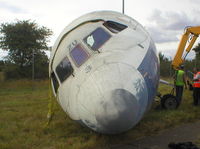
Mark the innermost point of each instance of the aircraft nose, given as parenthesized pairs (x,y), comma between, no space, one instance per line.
(116,101)
(119,113)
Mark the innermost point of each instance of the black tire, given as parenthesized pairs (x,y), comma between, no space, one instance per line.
(169,101)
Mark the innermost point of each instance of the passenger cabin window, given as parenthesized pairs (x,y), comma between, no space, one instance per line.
(97,38)
(55,82)
(64,69)
(79,55)
(114,26)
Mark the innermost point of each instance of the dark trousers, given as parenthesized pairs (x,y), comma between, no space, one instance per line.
(196,96)
(179,93)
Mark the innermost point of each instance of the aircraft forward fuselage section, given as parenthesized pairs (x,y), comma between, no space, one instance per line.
(101,68)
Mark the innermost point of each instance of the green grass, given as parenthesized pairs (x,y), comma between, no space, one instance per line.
(23,109)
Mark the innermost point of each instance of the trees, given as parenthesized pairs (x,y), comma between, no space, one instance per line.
(21,39)
(165,66)
(2,64)
(197,49)
(166,69)
(197,58)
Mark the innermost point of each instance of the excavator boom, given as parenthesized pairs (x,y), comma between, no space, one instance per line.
(192,32)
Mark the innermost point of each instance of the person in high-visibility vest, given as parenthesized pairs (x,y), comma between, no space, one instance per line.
(180,81)
(196,87)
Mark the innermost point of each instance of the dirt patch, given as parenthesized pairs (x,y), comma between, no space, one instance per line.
(182,133)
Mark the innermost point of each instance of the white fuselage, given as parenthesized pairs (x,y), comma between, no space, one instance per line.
(106,76)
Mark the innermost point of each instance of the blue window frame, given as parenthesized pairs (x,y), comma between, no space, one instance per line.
(79,55)
(97,38)
(64,69)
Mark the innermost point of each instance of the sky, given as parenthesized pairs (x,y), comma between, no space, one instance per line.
(165,20)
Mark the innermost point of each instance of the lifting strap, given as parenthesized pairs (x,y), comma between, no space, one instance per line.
(51,104)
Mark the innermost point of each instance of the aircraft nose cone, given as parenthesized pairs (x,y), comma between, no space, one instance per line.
(119,113)
(116,98)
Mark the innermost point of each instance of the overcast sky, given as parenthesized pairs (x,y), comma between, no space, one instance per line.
(165,20)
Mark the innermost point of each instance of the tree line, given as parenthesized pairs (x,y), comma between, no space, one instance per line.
(26,43)
(166,69)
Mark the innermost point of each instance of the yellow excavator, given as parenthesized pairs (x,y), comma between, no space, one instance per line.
(190,35)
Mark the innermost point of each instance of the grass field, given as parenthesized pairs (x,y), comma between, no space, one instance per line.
(23,109)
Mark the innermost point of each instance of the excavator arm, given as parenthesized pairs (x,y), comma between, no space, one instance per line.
(192,32)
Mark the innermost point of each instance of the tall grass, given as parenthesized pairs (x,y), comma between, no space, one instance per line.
(23,109)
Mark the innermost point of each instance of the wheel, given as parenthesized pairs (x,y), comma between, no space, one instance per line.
(169,101)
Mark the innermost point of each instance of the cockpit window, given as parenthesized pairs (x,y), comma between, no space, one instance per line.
(97,38)
(114,26)
(55,82)
(64,69)
(79,55)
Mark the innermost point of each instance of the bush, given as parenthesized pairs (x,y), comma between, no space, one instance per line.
(12,72)
(15,72)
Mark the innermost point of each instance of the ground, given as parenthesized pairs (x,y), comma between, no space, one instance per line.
(24,106)
(184,133)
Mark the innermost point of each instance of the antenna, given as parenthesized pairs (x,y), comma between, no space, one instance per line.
(123,6)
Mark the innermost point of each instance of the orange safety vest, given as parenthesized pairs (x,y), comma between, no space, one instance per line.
(196,83)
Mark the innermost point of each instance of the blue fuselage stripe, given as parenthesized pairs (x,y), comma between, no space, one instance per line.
(149,68)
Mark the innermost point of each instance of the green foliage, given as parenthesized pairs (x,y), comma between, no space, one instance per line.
(2,65)
(13,71)
(41,65)
(165,66)
(166,69)
(21,39)
(197,58)
(197,49)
